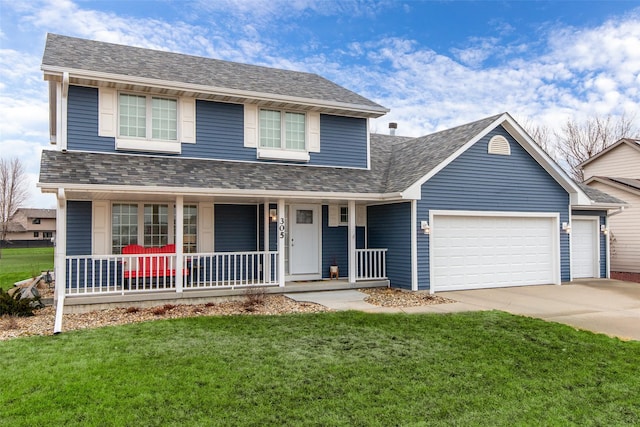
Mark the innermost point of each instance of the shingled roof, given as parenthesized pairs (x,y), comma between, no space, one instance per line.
(600,196)
(396,163)
(69,53)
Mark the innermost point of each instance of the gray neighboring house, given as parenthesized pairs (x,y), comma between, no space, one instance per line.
(182,176)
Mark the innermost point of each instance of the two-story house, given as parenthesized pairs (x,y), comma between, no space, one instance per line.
(616,170)
(31,228)
(180,175)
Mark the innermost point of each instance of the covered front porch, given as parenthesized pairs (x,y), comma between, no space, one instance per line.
(135,246)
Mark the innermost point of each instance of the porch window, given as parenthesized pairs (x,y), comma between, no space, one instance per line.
(156,225)
(124,226)
(148,117)
(282,130)
(190,229)
(344,215)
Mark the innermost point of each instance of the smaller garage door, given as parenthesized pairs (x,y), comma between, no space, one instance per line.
(481,251)
(584,247)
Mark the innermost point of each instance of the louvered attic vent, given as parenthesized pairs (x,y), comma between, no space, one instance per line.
(499,145)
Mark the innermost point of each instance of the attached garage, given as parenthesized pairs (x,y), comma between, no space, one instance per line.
(473,250)
(585,247)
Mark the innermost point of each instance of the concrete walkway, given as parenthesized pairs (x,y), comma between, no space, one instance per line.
(610,307)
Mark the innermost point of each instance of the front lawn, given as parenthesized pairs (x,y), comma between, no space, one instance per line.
(333,369)
(23,263)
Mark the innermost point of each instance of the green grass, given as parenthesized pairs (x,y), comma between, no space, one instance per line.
(23,263)
(330,369)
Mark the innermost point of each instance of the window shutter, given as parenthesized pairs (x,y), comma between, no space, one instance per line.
(361,216)
(334,215)
(250,125)
(101,233)
(107,116)
(314,132)
(188,120)
(205,227)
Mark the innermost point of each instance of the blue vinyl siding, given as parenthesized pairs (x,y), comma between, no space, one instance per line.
(219,133)
(82,122)
(335,244)
(480,181)
(236,228)
(389,226)
(343,142)
(79,228)
(603,238)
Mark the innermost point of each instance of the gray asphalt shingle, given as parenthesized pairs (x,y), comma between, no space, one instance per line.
(80,54)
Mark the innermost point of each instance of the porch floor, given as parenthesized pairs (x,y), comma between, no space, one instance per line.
(85,303)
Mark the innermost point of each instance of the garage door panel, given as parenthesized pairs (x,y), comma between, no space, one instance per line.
(484,251)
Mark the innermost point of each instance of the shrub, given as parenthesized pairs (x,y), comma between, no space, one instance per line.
(254,297)
(159,311)
(132,310)
(15,305)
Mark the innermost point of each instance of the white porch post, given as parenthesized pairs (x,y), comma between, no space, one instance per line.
(179,241)
(282,229)
(60,261)
(266,264)
(353,262)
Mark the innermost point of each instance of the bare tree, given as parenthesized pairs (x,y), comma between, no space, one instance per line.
(541,134)
(13,192)
(578,141)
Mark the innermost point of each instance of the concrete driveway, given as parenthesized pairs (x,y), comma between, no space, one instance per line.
(610,307)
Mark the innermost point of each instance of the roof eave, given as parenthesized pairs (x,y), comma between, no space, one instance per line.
(111,80)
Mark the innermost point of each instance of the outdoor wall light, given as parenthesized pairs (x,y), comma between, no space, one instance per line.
(273,215)
(424,225)
(604,229)
(566,227)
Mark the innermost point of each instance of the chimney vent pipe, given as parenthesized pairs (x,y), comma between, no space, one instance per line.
(392,128)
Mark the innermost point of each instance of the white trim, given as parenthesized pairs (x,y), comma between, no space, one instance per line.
(607,242)
(149,145)
(205,227)
(353,262)
(169,191)
(414,245)
(179,232)
(60,262)
(282,224)
(101,227)
(556,262)
(282,154)
(112,78)
(368,146)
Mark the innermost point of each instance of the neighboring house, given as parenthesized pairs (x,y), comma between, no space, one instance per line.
(31,227)
(244,175)
(616,171)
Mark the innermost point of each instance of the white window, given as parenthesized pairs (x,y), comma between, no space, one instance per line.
(151,225)
(344,215)
(272,124)
(148,117)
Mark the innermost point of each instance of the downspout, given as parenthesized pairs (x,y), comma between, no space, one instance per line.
(60,258)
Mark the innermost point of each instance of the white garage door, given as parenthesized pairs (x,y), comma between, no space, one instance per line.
(584,247)
(477,251)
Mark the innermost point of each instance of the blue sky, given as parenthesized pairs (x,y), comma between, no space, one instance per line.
(435,64)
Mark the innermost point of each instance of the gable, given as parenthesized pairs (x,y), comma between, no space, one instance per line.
(486,181)
(621,161)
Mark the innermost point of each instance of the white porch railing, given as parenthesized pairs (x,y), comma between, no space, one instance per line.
(231,269)
(372,264)
(120,274)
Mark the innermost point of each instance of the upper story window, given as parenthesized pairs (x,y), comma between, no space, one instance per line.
(283,130)
(148,117)
(36,221)
(149,123)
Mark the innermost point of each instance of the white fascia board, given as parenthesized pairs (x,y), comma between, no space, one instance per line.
(191,87)
(176,191)
(548,164)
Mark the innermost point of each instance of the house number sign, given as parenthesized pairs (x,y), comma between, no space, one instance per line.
(281,228)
